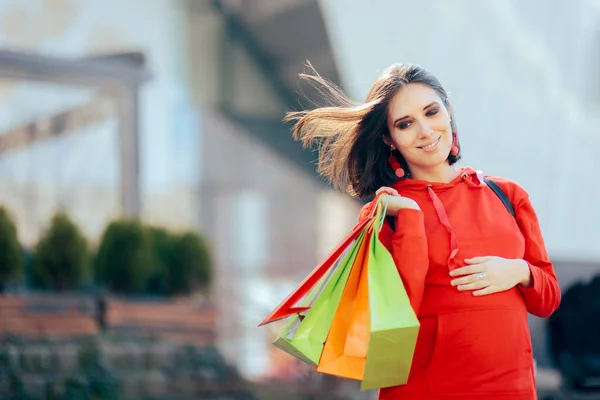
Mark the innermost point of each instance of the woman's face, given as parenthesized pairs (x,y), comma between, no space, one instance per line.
(419,126)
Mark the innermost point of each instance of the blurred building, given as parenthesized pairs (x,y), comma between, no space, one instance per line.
(171,110)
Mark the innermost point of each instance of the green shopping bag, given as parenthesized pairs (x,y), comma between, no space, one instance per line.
(304,335)
(393,323)
(285,340)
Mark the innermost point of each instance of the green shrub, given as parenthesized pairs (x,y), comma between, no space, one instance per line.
(180,263)
(137,259)
(190,266)
(60,260)
(11,257)
(162,243)
(124,261)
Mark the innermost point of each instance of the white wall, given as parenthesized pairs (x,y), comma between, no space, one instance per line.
(521,75)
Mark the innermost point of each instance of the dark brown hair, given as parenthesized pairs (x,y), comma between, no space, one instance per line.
(349,135)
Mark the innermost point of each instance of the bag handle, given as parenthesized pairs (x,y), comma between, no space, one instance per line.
(381,212)
(288,306)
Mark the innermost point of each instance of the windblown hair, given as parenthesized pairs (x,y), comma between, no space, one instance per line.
(349,135)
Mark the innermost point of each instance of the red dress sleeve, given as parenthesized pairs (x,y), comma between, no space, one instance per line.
(543,296)
(408,246)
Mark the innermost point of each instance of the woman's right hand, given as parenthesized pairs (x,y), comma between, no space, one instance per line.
(396,202)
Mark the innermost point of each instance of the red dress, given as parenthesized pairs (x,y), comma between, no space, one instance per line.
(469,348)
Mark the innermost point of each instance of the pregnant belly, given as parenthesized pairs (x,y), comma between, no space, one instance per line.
(476,351)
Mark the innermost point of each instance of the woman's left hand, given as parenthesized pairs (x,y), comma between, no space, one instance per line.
(487,275)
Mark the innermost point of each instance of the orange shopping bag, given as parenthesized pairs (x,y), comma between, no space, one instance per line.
(345,350)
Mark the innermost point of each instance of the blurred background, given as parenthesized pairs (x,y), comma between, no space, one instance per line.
(154,207)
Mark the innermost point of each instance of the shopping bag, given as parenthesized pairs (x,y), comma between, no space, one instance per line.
(304,335)
(289,306)
(286,340)
(374,331)
(345,348)
(394,326)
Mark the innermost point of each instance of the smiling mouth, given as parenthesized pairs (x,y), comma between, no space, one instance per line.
(431,146)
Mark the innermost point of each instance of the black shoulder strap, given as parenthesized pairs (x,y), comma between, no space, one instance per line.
(501,195)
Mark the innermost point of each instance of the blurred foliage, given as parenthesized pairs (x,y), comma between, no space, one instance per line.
(61,258)
(91,381)
(103,365)
(11,257)
(190,266)
(162,244)
(132,258)
(138,259)
(124,261)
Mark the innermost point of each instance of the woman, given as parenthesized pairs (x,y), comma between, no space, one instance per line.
(472,271)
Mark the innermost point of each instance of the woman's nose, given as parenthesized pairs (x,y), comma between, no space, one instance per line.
(426,129)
